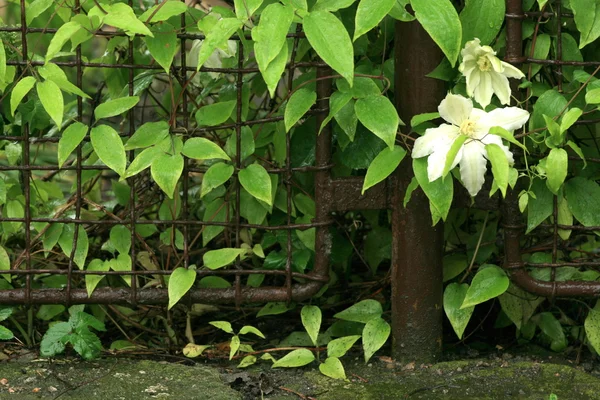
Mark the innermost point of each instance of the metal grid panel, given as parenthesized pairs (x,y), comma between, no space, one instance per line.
(546,237)
(27,263)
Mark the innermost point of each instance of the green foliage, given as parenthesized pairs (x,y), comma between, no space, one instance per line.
(75,332)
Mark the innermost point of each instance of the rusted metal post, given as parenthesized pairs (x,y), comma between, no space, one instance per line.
(416,245)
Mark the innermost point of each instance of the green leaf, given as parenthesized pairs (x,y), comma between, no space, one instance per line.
(569,118)
(164,45)
(180,282)
(592,327)
(490,281)
(52,72)
(194,350)
(550,103)
(363,311)
(439,192)
(255,179)
(120,237)
(234,346)
(272,74)
(270,34)
(247,361)
(311,319)
(2,63)
(506,135)
(540,207)
(52,99)
(347,120)
(143,161)
(454,295)
(222,325)
(564,217)
(374,336)
(541,50)
(66,244)
(340,346)
(5,333)
(217,37)
(499,166)
(369,14)
(166,170)
(383,165)
(379,116)
(19,91)
(69,141)
(294,359)
(244,9)
(215,259)
(583,197)
(108,146)
(54,339)
(203,149)
(332,5)
(482,20)
(246,143)
(587,20)
(121,263)
(60,37)
(300,102)
(440,20)
(556,169)
(121,16)
(215,114)
(91,281)
(250,329)
(454,264)
(553,329)
(273,308)
(215,176)
(36,8)
(337,101)
(165,11)
(451,155)
(115,107)
(593,96)
(328,36)
(332,367)
(421,118)
(577,151)
(147,135)
(86,344)
(4,263)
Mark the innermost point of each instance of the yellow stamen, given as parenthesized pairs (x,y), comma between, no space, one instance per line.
(467,128)
(484,64)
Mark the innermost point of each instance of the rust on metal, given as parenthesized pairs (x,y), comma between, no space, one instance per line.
(416,245)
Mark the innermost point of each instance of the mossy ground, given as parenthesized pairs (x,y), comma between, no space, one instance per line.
(117,378)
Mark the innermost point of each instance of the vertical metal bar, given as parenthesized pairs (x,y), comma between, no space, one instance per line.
(26,172)
(416,245)
(132,180)
(238,165)
(184,111)
(559,70)
(514,30)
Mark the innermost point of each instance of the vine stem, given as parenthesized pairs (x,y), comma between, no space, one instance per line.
(468,271)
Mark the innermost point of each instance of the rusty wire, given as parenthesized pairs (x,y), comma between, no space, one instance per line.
(295,286)
(512,218)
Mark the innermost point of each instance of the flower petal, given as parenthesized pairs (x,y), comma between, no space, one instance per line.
(483,92)
(473,166)
(509,118)
(473,79)
(436,163)
(442,136)
(501,87)
(511,71)
(455,108)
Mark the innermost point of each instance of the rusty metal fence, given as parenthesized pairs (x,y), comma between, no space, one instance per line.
(546,238)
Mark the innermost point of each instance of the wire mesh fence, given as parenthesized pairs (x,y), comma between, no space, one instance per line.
(561,257)
(81,210)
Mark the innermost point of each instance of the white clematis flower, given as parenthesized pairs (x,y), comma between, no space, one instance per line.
(475,123)
(486,74)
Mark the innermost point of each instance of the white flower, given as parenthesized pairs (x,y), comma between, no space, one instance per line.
(475,123)
(486,74)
